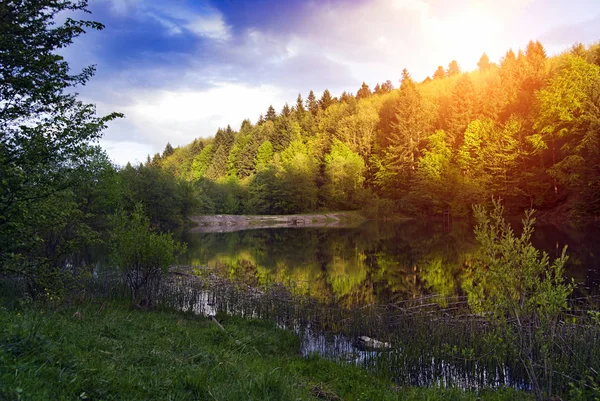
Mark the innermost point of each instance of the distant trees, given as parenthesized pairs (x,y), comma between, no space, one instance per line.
(440,73)
(484,62)
(523,129)
(326,100)
(344,175)
(364,91)
(453,69)
(311,103)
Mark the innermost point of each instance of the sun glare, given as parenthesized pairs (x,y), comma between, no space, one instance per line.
(465,35)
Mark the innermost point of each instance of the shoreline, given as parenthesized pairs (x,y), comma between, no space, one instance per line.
(229,223)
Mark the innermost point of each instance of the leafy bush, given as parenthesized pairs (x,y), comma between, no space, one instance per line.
(142,254)
(521,290)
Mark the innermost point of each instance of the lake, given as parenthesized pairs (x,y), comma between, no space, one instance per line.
(376,262)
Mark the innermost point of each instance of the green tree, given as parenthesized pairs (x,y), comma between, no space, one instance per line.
(311,103)
(462,108)
(433,187)
(271,114)
(407,134)
(296,171)
(522,290)
(168,150)
(142,255)
(567,124)
(344,171)
(264,155)
(300,110)
(47,137)
(202,161)
(326,100)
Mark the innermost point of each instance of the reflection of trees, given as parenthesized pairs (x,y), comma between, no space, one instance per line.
(375,263)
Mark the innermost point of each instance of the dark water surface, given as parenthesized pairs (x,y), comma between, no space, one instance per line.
(376,263)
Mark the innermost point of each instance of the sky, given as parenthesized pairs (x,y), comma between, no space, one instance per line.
(181,69)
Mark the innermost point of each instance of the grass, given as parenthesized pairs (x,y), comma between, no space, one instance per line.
(106,351)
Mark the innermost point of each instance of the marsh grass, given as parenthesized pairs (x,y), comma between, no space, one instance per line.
(106,351)
(436,341)
(276,345)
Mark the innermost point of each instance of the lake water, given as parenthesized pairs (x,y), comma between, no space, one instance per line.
(401,283)
(376,263)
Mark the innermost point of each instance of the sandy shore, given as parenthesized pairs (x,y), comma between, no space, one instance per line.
(228,223)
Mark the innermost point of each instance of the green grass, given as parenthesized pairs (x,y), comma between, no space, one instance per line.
(106,351)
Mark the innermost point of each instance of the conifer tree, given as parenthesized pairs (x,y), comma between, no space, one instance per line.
(311,103)
(363,92)
(409,131)
(300,105)
(484,62)
(168,150)
(271,114)
(440,73)
(462,109)
(326,100)
(387,86)
(453,69)
(346,97)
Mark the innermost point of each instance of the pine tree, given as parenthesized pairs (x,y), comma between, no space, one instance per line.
(364,91)
(462,108)
(440,73)
(326,100)
(387,86)
(484,62)
(300,105)
(168,150)
(346,97)
(311,103)
(271,114)
(453,69)
(409,131)
(286,110)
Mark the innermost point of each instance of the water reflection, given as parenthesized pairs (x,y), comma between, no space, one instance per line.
(376,262)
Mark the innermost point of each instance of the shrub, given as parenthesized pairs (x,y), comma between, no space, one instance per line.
(142,254)
(521,290)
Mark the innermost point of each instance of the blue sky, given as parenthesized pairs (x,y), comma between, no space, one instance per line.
(180,69)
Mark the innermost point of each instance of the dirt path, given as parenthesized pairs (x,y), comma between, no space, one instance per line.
(228,223)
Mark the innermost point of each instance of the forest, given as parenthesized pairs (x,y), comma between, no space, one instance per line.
(524,130)
(134,323)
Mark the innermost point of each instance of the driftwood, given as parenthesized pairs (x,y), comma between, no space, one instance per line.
(370,344)
(215,321)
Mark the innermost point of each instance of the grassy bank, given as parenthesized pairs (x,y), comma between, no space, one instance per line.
(106,351)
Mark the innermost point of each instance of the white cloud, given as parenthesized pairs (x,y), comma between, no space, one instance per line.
(155,117)
(209,26)
(337,46)
(204,21)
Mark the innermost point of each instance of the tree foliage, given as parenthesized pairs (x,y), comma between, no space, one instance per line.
(141,254)
(47,138)
(524,128)
(523,291)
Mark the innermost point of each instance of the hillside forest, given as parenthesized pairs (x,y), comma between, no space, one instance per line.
(525,130)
